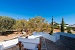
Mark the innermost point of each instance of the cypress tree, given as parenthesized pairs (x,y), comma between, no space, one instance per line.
(51,26)
(62,25)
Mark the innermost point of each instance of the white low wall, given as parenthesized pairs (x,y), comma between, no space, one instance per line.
(53,38)
(1,46)
(57,37)
(66,34)
(29,40)
(34,36)
(29,43)
(8,44)
(33,40)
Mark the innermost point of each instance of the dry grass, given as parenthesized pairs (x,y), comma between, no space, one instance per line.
(15,34)
(2,38)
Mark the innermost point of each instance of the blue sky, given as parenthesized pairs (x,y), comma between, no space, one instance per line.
(46,8)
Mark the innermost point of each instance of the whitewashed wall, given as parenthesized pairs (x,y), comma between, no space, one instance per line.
(36,40)
(8,44)
(1,46)
(29,43)
(57,36)
(66,34)
(47,36)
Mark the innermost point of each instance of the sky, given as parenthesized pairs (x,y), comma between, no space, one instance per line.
(25,9)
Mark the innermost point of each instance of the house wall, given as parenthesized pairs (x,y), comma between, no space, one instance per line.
(68,41)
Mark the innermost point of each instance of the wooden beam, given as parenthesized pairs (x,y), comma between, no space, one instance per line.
(20,45)
(39,45)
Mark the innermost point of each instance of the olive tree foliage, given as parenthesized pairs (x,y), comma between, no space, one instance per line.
(6,23)
(20,24)
(33,24)
(38,24)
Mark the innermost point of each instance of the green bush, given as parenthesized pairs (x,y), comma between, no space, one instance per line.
(69,30)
